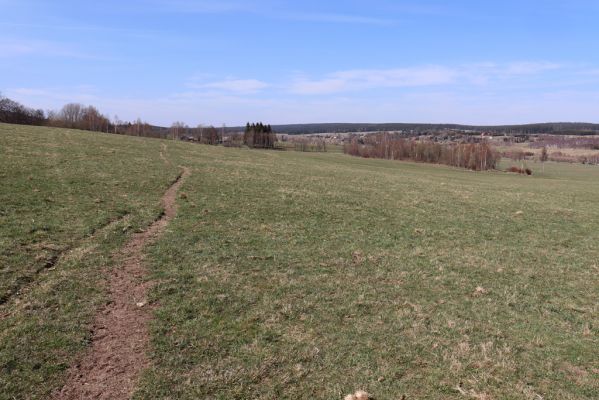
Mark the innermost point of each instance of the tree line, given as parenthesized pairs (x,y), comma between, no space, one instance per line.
(16,113)
(474,156)
(73,116)
(416,129)
(79,116)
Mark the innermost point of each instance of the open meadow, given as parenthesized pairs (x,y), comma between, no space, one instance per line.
(290,275)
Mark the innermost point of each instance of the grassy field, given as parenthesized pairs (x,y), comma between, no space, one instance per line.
(67,200)
(303,275)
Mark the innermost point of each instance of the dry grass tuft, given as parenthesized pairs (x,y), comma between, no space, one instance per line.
(357,257)
(479,291)
(359,395)
(472,394)
(576,373)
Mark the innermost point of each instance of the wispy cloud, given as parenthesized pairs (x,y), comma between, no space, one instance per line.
(352,80)
(53,97)
(88,28)
(336,18)
(419,76)
(202,6)
(591,72)
(273,10)
(530,68)
(440,106)
(15,48)
(233,85)
(485,92)
(11,49)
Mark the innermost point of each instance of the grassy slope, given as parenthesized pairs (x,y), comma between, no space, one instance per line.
(289,274)
(68,198)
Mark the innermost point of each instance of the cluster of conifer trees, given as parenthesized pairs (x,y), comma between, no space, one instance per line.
(475,156)
(259,136)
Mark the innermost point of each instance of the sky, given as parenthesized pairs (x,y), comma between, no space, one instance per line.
(229,61)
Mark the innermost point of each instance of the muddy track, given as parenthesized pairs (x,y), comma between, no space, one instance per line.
(118,352)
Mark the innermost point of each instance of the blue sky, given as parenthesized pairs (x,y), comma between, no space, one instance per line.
(214,62)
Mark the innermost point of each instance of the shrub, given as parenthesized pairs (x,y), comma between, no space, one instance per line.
(518,170)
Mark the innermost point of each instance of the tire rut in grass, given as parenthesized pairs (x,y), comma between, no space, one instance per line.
(117,354)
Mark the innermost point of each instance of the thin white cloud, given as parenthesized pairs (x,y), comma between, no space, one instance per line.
(11,49)
(202,6)
(17,48)
(352,80)
(419,76)
(444,105)
(528,68)
(591,72)
(233,85)
(53,97)
(481,93)
(269,10)
(336,18)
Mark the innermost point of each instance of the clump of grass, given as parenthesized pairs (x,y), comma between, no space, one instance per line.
(359,395)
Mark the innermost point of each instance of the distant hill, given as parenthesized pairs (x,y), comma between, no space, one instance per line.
(557,128)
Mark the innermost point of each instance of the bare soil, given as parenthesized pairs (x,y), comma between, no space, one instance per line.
(120,339)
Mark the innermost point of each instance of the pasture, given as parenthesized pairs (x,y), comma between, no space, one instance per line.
(289,275)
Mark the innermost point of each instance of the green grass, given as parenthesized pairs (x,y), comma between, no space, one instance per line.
(68,199)
(310,275)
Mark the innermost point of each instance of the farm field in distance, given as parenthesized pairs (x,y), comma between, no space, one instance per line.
(290,275)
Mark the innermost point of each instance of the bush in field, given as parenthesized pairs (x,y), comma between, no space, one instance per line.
(518,170)
(544,155)
(474,156)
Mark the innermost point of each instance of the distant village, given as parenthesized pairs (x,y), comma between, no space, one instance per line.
(444,136)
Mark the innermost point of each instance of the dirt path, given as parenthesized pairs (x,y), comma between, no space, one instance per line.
(118,353)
